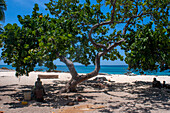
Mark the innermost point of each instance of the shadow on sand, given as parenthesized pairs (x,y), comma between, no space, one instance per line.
(139,96)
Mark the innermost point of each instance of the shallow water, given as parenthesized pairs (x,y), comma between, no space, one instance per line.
(110,69)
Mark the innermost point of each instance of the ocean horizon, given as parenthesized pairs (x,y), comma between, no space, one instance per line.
(109,69)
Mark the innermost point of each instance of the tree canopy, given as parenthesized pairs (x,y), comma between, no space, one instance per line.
(83,32)
(3,7)
(149,48)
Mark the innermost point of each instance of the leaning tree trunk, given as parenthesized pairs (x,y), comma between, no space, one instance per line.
(76,79)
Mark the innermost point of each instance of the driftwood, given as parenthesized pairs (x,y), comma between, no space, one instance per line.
(45,76)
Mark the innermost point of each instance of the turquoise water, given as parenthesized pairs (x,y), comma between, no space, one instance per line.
(110,69)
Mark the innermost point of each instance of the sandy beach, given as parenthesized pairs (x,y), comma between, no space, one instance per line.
(121,93)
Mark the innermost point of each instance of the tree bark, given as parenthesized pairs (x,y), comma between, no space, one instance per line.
(76,79)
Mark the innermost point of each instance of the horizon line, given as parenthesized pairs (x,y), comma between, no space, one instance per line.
(80,65)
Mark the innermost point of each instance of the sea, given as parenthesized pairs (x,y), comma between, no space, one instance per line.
(109,69)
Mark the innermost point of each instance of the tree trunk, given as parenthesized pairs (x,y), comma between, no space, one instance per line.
(76,79)
(72,84)
(70,87)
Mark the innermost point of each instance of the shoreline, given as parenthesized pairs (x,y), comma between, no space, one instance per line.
(58,71)
(109,69)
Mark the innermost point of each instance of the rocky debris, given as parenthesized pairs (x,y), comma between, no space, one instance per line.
(39,70)
(102,73)
(4,69)
(80,99)
(56,71)
(99,85)
(70,103)
(130,74)
(100,79)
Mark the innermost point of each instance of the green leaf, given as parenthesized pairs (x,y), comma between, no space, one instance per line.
(69,35)
(26,46)
(107,2)
(98,1)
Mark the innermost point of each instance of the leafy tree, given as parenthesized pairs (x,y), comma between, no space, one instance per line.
(83,33)
(2,14)
(2,8)
(150,49)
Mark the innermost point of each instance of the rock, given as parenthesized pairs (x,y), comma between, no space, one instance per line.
(70,103)
(57,71)
(99,85)
(102,73)
(4,68)
(24,103)
(100,79)
(79,99)
(39,70)
(130,74)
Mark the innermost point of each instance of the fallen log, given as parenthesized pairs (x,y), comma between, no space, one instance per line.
(45,76)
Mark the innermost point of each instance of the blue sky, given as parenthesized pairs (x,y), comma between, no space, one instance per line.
(25,7)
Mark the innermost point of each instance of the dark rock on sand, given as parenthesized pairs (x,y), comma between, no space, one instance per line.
(4,69)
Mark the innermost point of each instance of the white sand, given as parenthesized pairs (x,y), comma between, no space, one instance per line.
(125,95)
(10,78)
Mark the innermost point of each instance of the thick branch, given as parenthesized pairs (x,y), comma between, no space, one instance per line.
(128,22)
(136,7)
(96,70)
(113,11)
(97,61)
(97,45)
(115,45)
(90,33)
(70,66)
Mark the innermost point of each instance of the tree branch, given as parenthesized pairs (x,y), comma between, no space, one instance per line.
(115,45)
(113,11)
(97,62)
(97,45)
(70,65)
(128,22)
(96,70)
(90,33)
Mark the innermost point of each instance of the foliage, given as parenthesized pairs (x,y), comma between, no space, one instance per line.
(2,14)
(81,31)
(41,38)
(149,48)
(2,8)
(80,18)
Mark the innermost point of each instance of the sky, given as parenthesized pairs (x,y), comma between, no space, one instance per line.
(25,7)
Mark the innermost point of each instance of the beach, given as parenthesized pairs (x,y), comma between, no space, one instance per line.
(120,93)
